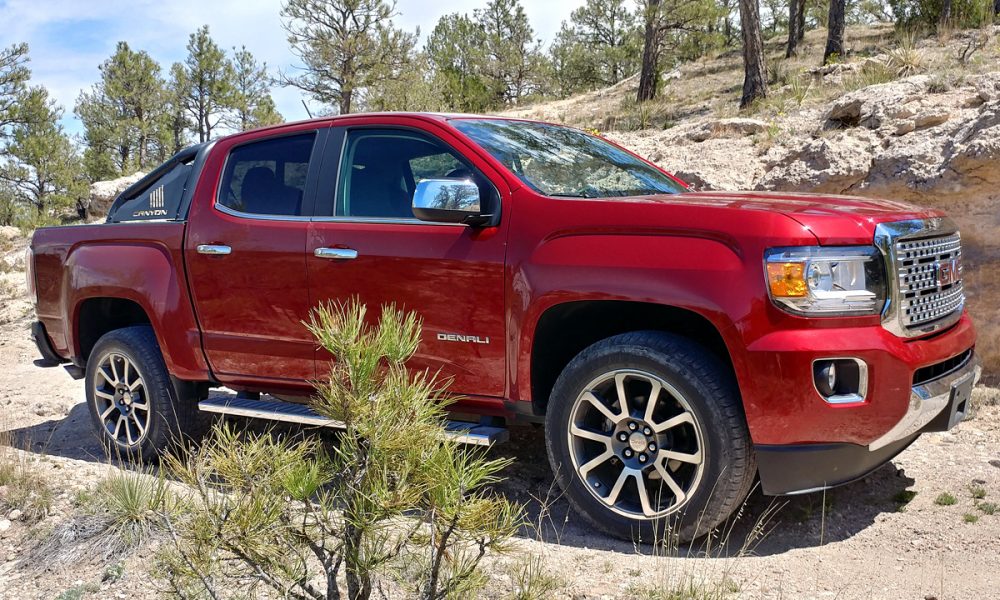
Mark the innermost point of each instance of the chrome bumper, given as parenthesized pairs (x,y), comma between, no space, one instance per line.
(927,401)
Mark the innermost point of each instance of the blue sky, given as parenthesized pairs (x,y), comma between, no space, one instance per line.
(70,38)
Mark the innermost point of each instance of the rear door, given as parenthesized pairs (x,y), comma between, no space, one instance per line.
(365,243)
(245,254)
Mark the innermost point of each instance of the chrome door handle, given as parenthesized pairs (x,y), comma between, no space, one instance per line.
(336,253)
(214,250)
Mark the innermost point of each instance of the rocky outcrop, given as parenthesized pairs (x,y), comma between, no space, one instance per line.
(103,193)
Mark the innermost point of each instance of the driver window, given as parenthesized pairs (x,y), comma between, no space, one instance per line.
(381,169)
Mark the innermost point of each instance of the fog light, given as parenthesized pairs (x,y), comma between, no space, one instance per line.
(841,380)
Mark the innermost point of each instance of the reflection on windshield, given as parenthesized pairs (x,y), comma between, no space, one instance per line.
(559,161)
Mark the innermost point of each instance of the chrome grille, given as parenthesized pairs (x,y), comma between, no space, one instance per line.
(930,279)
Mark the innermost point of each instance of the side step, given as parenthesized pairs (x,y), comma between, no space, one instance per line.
(461,431)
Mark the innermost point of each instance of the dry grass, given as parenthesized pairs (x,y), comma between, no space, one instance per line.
(22,487)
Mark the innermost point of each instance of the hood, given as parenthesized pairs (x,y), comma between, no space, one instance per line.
(832,219)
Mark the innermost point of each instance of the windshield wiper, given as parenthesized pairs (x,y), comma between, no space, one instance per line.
(571,195)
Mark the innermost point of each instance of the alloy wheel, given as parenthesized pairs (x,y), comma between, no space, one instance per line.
(121,399)
(636,444)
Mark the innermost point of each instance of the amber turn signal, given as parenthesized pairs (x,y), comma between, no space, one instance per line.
(787,279)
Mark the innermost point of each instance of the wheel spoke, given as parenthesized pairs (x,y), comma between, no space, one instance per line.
(612,496)
(668,479)
(597,460)
(602,407)
(114,370)
(128,432)
(640,483)
(144,405)
(138,425)
(105,395)
(125,371)
(135,384)
(622,393)
(118,426)
(103,373)
(684,417)
(593,436)
(654,396)
(693,458)
(108,411)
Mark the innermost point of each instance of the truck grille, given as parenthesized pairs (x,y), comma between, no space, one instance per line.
(930,279)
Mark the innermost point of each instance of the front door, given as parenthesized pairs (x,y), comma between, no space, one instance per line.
(245,253)
(370,246)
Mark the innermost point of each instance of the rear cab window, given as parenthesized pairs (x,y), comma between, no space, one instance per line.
(267,177)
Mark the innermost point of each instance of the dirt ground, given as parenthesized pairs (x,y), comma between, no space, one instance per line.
(868,542)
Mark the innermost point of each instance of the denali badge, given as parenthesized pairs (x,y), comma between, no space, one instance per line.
(454,337)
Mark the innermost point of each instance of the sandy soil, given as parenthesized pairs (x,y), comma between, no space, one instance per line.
(866,544)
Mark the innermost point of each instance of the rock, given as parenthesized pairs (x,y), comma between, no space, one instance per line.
(103,193)
(995,463)
(14,515)
(8,232)
(930,119)
(988,87)
(726,128)
(904,126)
(4,524)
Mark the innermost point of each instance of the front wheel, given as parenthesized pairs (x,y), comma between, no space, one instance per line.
(646,436)
(132,400)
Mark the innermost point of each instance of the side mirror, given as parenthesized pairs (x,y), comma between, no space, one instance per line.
(449,201)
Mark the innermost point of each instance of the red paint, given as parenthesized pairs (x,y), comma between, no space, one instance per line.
(699,251)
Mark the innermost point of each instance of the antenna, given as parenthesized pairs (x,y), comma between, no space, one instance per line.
(306,106)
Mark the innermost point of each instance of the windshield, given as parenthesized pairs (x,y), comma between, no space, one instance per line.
(559,161)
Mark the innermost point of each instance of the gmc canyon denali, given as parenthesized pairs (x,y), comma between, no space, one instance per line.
(676,345)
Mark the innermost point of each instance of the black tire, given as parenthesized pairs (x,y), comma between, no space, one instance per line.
(168,417)
(728,465)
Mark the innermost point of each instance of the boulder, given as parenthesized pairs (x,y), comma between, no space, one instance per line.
(103,193)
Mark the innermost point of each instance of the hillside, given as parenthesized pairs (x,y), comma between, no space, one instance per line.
(931,137)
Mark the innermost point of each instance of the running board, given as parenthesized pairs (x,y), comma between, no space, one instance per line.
(462,432)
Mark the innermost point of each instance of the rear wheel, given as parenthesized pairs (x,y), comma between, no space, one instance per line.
(132,400)
(646,435)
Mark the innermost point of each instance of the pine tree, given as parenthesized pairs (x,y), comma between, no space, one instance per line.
(456,51)
(41,167)
(14,75)
(345,45)
(208,83)
(513,56)
(250,101)
(122,115)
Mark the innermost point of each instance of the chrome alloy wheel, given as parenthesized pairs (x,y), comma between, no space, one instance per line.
(636,444)
(121,400)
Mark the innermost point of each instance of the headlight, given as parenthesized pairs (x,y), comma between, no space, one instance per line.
(826,281)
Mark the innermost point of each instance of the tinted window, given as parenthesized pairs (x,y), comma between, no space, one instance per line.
(560,161)
(267,177)
(159,200)
(381,169)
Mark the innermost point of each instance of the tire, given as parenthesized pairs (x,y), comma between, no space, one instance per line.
(126,372)
(695,440)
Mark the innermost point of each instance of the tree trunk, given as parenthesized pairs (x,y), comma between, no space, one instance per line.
(945,17)
(346,95)
(754,70)
(996,7)
(835,31)
(650,74)
(793,29)
(801,25)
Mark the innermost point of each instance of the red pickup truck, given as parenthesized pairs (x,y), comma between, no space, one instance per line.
(676,345)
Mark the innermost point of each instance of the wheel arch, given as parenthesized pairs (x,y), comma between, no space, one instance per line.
(566,329)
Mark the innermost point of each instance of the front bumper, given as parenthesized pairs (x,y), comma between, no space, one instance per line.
(936,405)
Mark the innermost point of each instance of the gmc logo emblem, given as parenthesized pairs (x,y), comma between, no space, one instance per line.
(947,272)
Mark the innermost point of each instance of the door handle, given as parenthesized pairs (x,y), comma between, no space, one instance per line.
(336,253)
(214,250)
